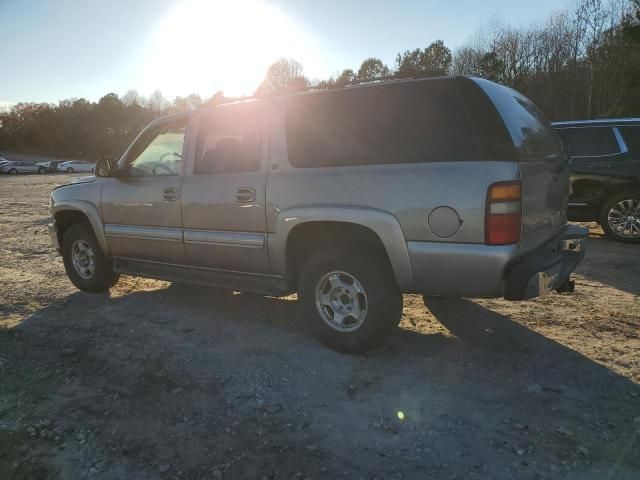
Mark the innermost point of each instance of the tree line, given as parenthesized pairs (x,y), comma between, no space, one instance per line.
(580,63)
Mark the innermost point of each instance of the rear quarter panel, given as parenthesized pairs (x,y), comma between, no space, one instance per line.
(409,192)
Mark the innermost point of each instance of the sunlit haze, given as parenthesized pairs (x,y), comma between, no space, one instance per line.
(70,48)
(222,43)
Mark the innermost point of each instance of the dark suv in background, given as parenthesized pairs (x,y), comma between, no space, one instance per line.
(605,174)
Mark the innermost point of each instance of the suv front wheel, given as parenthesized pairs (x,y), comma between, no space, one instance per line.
(350,299)
(620,217)
(88,268)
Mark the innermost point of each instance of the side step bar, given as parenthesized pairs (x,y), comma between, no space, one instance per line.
(245,282)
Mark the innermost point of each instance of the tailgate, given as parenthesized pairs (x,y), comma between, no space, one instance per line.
(545,188)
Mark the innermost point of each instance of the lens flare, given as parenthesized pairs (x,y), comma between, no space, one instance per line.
(203,46)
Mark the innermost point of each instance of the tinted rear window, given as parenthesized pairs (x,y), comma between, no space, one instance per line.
(409,122)
(589,141)
(631,137)
(530,131)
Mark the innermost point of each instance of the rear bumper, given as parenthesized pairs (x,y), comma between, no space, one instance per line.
(487,271)
(546,268)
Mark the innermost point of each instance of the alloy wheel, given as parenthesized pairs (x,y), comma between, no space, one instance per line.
(83,259)
(624,218)
(341,301)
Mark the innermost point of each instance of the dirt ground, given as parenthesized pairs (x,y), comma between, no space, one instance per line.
(162,381)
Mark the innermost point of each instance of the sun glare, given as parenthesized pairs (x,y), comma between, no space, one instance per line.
(203,46)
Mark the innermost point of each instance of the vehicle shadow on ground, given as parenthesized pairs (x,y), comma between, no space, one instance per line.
(491,375)
(612,263)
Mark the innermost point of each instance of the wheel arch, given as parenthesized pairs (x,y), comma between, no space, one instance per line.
(315,226)
(79,211)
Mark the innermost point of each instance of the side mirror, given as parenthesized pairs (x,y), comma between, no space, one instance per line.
(106,167)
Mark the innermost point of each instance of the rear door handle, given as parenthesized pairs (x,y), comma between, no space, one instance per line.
(244,195)
(170,194)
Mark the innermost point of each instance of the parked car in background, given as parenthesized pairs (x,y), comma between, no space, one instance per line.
(50,166)
(73,166)
(445,186)
(605,174)
(18,167)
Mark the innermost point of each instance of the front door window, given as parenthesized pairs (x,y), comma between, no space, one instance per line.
(158,152)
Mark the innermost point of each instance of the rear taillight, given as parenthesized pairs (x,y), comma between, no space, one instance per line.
(503,213)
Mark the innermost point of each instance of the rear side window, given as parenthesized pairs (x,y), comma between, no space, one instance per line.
(410,122)
(631,137)
(589,141)
(229,141)
(530,131)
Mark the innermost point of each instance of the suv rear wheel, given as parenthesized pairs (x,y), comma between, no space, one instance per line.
(350,300)
(70,170)
(620,217)
(88,268)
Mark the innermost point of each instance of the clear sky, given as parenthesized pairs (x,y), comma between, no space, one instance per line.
(56,49)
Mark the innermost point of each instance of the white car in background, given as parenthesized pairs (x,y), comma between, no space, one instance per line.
(18,167)
(73,166)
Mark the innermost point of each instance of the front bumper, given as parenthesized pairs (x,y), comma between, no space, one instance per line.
(548,267)
(53,235)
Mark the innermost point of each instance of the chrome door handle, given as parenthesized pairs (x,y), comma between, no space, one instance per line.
(170,194)
(244,195)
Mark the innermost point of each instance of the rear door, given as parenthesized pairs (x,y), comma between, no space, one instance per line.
(543,164)
(28,167)
(630,140)
(224,190)
(593,149)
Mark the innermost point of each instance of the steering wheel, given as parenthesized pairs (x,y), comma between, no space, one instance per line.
(160,165)
(173,154)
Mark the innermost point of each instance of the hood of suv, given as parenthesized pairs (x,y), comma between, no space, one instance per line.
(76,181)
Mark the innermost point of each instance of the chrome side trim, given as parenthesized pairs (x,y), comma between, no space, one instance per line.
(621,142)
(167,234)
(608,121)
(226,239)
(195,267)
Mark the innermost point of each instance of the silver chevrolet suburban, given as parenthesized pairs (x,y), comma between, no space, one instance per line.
(445,186)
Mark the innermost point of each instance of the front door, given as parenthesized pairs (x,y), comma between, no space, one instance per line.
(224,189)
(141,205)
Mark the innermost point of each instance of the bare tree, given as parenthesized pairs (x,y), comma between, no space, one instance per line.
(157,103)
(283,76)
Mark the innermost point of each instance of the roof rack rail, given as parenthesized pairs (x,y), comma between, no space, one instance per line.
(386,78)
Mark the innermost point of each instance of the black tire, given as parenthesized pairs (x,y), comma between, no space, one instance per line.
(70,170)
(42,170)
(103,276)
(608,204)
(383,299)
(13,171)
